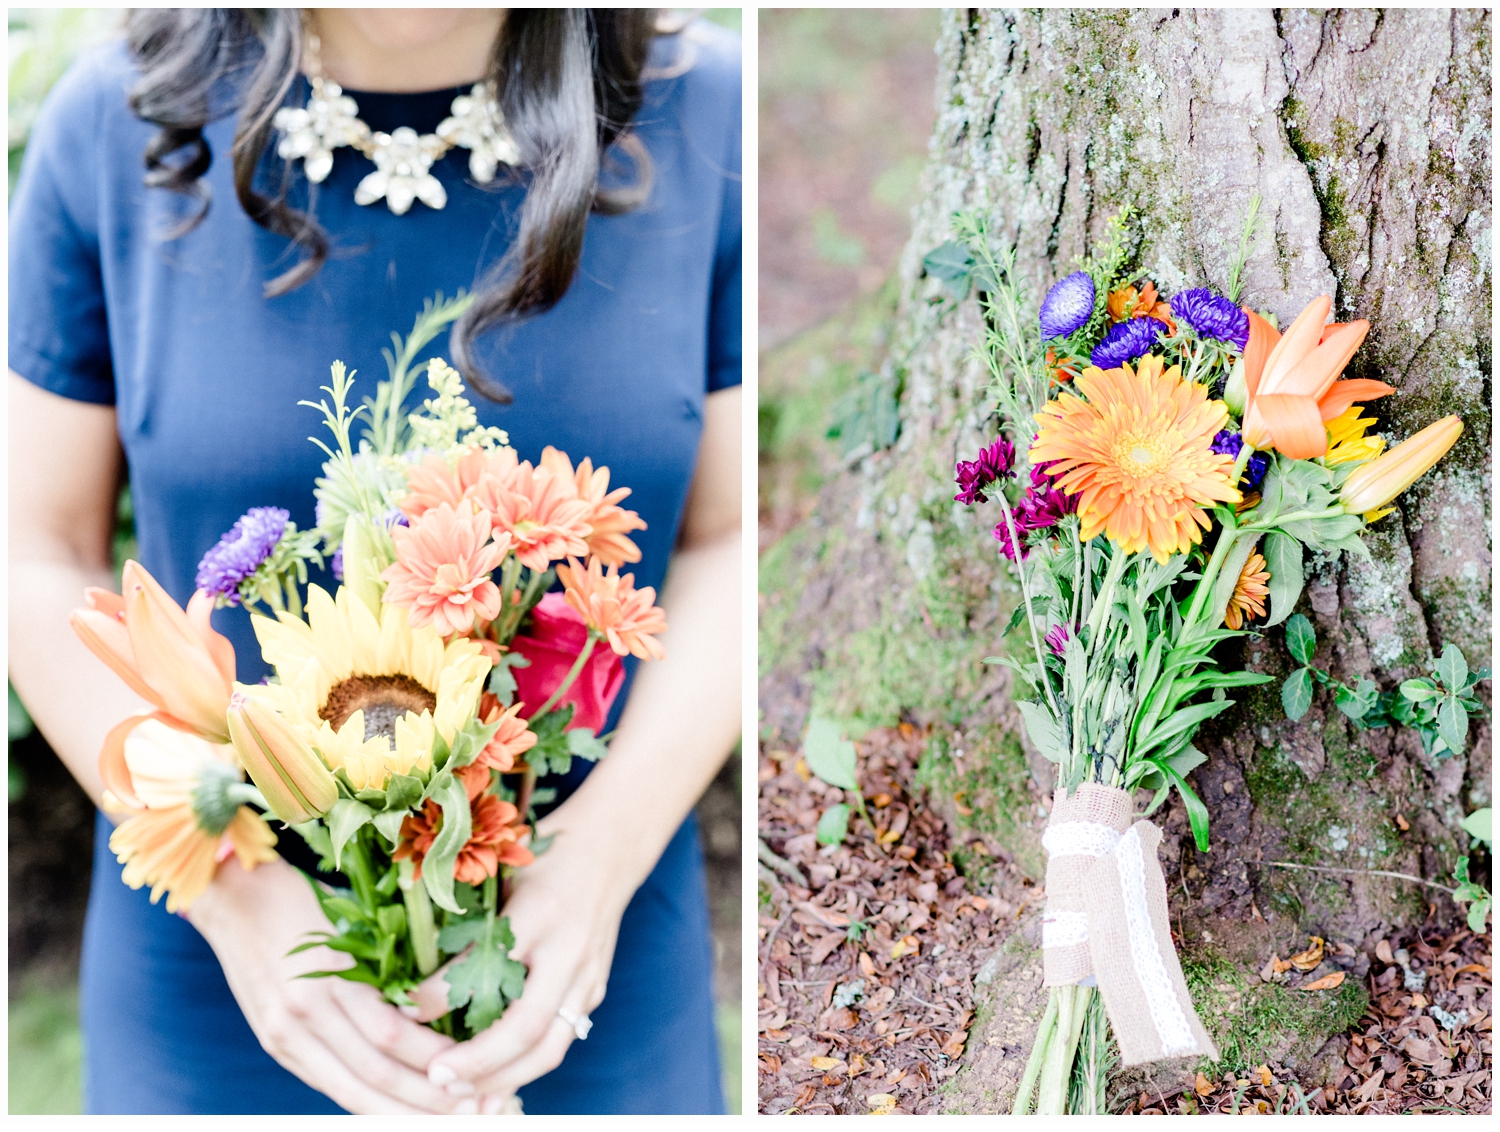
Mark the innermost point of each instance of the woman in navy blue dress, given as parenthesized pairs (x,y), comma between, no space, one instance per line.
(176,287)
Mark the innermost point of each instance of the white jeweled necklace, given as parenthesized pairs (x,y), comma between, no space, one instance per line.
(403,158)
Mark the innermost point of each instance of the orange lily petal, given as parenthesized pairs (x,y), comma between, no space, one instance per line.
(1294,423)
(172,657)
(199,607)
(1313,374)
(1263,339)
(108,639)
(1300,339)
(1342,394)
(112,767)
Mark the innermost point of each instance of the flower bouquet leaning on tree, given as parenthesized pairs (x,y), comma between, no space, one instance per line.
(1161,468)
(411,711)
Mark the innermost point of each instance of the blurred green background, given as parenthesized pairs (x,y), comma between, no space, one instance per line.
(50,819)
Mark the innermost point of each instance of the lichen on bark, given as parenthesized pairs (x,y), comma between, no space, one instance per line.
(1368,135)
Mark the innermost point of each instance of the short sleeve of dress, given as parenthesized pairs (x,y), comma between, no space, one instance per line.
(59,335)
(726,329)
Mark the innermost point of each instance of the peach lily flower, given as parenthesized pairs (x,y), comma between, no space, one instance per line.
(1374,484)
(1292,380)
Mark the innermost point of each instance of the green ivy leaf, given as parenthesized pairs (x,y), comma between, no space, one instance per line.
(1301,639)
(486,980)
(1283,556)
(834,824)
(830,756)
(1297,694)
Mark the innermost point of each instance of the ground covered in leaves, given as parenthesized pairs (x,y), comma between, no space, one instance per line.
(868,953)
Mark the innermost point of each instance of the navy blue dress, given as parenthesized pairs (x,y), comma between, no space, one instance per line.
(205,374)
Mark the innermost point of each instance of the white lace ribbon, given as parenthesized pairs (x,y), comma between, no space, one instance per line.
(1079,839)
(1166,1012)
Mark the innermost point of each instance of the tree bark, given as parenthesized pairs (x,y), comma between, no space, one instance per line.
(1367,133)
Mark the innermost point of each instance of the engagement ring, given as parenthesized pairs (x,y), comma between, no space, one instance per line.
(581,1025)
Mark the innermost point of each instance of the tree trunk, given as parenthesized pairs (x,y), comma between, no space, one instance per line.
(1368,135)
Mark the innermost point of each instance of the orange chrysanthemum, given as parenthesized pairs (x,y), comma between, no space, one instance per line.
(443,566)
(1138,454)
(539,510)
(512,739)
(498,837)
(1127,302)
(1250,591)
(611,605)
(609,522)
(164,843)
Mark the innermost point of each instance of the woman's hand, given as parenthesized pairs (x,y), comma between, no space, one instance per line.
(340,1037)
(565,911)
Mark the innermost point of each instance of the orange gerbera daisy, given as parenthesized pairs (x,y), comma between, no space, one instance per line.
(1128,302)
(443,566)
(607,541)
(540,511)
(498,837)
(178,832)
(612,606)
(1250,591)
(1138,454)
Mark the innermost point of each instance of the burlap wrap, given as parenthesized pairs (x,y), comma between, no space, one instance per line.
(1106,916)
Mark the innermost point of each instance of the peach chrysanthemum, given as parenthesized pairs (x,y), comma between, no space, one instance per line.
(511,740)
(611,605)
(539,510)
(1138,454)
(165,843)
(443,566)
(497,837)
(1250,591)
(609,522)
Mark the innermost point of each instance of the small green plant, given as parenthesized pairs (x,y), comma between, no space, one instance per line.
(831,757)
(1436,707)
(1480,825)
(866,419)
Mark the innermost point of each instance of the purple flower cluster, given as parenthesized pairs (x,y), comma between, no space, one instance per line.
(1057,639)
(336,563)
(973,476)
(241,551)
(1228,443)
(1212,316)
(1067,306)
(1127,341)
(1041,507)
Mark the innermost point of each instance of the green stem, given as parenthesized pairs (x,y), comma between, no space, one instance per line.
(1052,1089)
(419,919)
(356,866)
(1294,517)
(523,795)
(1227,534)
(491,890)
(1044,1035)
(1036,643)
(293,598)
(562,689)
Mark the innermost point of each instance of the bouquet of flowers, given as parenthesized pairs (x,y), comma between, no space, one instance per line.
(411,711)
(1162,466)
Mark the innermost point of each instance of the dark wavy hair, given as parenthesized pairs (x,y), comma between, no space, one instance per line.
(569,82)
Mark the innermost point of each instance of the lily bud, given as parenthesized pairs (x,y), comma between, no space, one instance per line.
(1234,388)
(363,562)
(1374,484)
(296,785)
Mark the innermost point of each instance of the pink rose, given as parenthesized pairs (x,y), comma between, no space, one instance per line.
(556,637)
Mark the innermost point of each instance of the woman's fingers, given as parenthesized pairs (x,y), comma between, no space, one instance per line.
(382,1024)
(541,1058)
(431,997)
(310,1059)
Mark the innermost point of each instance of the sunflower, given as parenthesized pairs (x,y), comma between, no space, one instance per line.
(180,825)
(1138,453)
(1250,590)
(371,697)
(1347,442)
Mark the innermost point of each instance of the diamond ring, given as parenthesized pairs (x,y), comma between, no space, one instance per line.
(581,1024)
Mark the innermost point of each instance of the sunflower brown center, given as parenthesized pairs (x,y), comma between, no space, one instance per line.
(383,699)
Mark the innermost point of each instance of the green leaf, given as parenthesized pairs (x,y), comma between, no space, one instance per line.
(1419,690)
(1184,721)
(1283,556)
(1229,573)
(471,739)
(582,744)
(1478,912)
(502,679)
(1017,615)
(951,265)
(1297,694)
(830,756)
(1197,812)
(1042,728)
(459,934)
(344,821)
(1301,639)
(486,979)
(1480,825)
(392,919)
(1453,724)
(403,792)
(1452,669)
(389,825)
(437,865)
(834,824)
(1356,703)
(316,836)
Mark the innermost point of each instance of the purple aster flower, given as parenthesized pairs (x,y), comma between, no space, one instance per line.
(1042,506)
(973,476)
(1057,639)
(1067,306)
(337,563)
(1127,341)
(1212,316)
(241,551)
(1228,443)
(394,518)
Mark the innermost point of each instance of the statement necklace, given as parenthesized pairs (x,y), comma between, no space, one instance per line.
(403,158)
